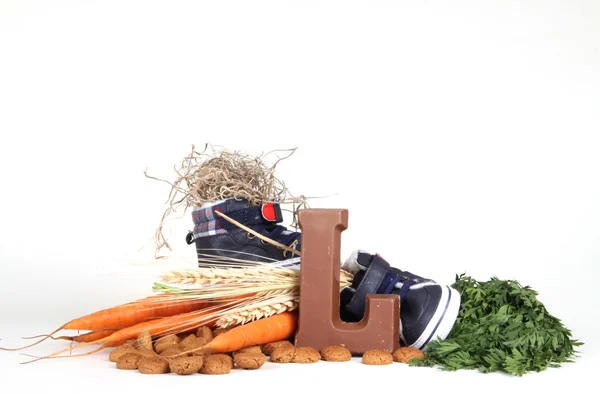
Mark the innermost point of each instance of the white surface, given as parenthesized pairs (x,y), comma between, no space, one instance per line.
(476,124)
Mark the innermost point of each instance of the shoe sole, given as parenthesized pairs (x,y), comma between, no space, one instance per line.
(442,321)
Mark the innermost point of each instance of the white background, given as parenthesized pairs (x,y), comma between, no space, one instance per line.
(461,136)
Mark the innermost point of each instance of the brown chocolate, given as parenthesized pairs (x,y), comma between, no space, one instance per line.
(319,322)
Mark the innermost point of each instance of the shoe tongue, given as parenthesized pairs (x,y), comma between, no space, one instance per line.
(235,204)
(358,264)
(364,260)
(358,277)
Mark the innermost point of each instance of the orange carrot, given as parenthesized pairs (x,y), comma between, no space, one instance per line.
(130,314)
(173,324)
(88,336)
(165,326)
(274,328)
(160,327)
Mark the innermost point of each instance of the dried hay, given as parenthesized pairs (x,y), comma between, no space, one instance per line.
(216,173)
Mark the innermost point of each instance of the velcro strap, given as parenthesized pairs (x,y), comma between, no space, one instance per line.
(376,272)
(263,214)
(271,212)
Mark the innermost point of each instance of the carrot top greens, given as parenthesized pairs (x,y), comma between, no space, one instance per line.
(501,326)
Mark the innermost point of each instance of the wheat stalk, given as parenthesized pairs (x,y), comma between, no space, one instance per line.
(272,302)
(255,313)
(228,291)
(266,289)
(214,276)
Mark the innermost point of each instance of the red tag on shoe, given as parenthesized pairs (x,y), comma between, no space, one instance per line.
(268,212)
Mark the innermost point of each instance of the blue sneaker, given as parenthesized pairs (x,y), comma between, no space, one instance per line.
(428,310)
(218,240)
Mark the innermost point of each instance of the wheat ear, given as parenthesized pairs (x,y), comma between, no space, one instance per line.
(212,276)
(251,314)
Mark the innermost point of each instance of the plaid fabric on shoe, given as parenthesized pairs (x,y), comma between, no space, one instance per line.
(207,222)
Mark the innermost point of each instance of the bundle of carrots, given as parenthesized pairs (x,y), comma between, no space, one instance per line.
(193,298)
(114,326)
(159,315)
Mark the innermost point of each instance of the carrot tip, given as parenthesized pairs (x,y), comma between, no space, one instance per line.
(27,346)
(38,336)
(8,349)
(36,358)
(46,336)
(29,355)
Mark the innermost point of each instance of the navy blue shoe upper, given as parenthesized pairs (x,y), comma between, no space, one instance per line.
(214,235)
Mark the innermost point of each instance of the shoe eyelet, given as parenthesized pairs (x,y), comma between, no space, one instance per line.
(263,242)
(285,252)
(250,236)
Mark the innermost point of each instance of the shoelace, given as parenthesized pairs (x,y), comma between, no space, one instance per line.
(388,287)
(275,232)
(391,279)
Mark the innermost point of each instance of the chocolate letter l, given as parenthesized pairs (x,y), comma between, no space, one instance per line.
(319,323)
